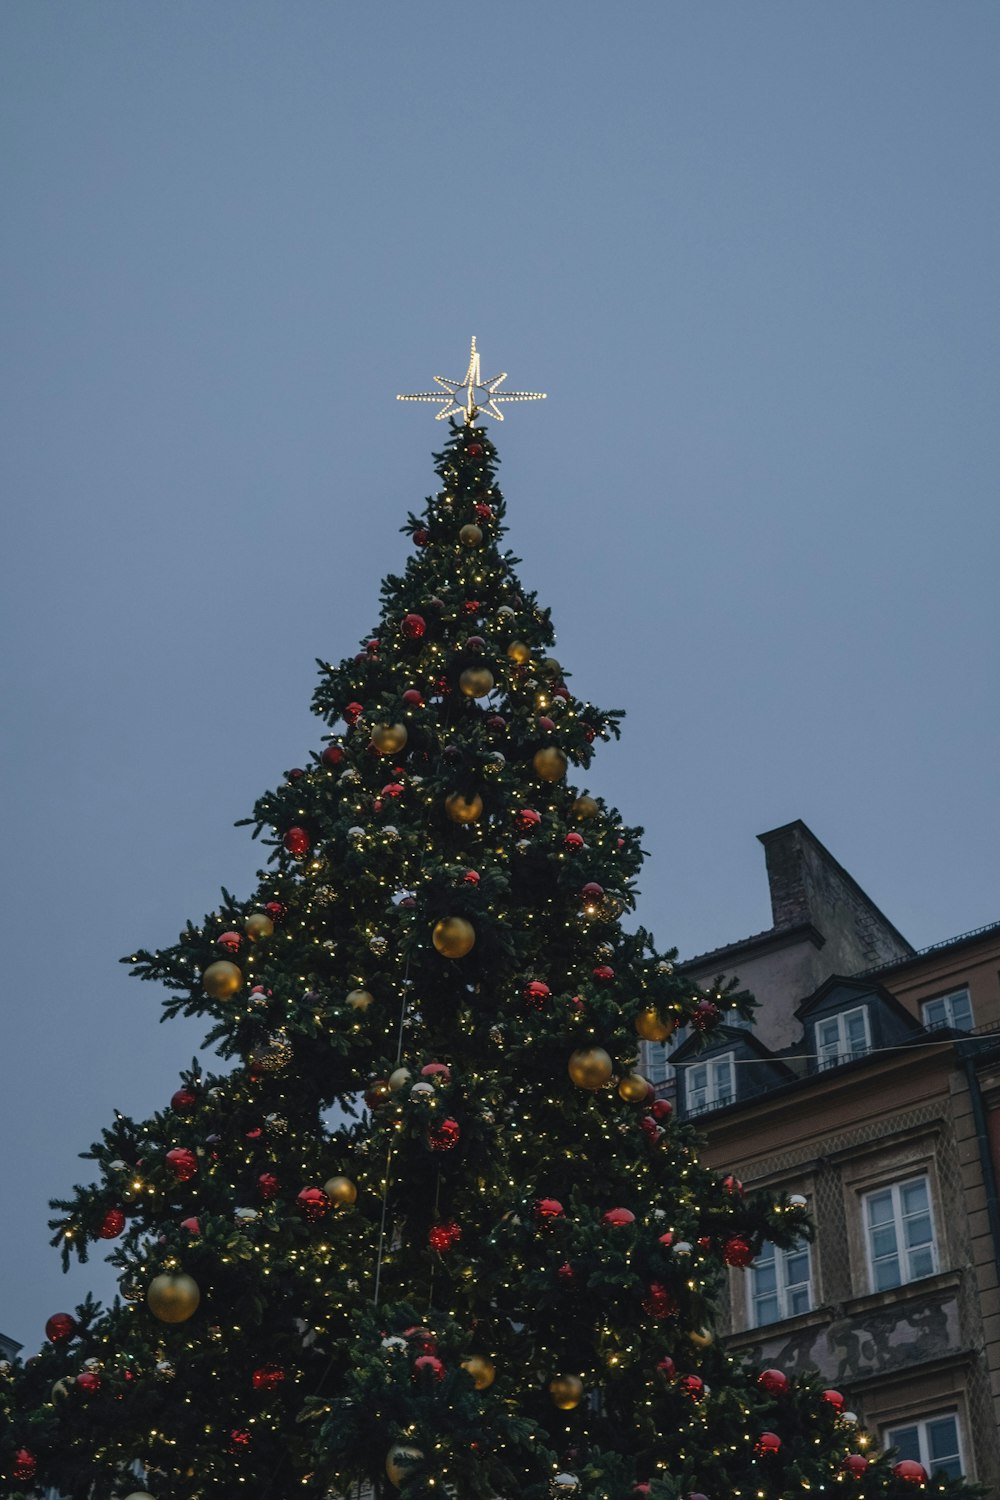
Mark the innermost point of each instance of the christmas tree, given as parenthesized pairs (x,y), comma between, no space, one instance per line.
(429,1229)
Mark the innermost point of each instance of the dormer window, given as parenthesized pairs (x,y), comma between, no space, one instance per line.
(954,1010)
(843,1036)
(709,1083)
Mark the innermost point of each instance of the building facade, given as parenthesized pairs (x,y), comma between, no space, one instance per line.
(869,1083)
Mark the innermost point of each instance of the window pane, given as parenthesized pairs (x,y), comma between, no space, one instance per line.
(942,1446)
(907,1440)
(724,1076)
(883,1241)
(935,1013)
(917,1230)
(698,1076)
(880,1208)
(798,1300)
(921,1263)
(796,1267)
(765,1279)
(856,1029)
(887,1274)
(766,1310)
(828,1033)
(961,1011)
(914,1196)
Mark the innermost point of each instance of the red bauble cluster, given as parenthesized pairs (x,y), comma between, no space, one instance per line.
(775,1382)
(297,842)
(112,1224)
(536,992)
(547,1209)
(444,1236)
(737,1251)
(414,627)
(182,1163)
(444,1136)
(313,1204)
(60,1327)
(767,1443)
(266,1377)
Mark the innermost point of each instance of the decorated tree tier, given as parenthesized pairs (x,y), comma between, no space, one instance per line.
(428,1230)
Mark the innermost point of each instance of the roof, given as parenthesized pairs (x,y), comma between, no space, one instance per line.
(941,947)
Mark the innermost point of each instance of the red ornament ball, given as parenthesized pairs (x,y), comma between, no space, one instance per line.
(268,1186)
(25,1464)
(775,1382)
(527,818)
(333,755)
(910,1472)
(474,450)
(421,1338)
(604,972)
(183,1101)
(649,1128)
(496,722)
(666,1368)
(834,1399)
(737,1251)
(661,1109)
(536,992)
(421,536)
(768,1442)
(472,606)
(438,1070)
(855,1464)
(313,1204)
(430,1366)
(414,627)
(297,773)
(444,1136)
(444,1236)
(573,841)
(276,912)
(691,1386)
(618,1217)
(667,1238)
(733,1186)
(471,877)
(475,643)
(60,1327)
(182,1163)
(192,1225)
(267,1377)
(566,1272)
(239,1440)
(353,712)
(89,1382)
(392,789)
(230,942)
(112,1224)
(591,891)
(484,512)
(547,1209)
(297,842)
(705,1242)
(545,724)
(413,699)
(705,1015)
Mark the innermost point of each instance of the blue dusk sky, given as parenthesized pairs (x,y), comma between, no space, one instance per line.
(751,252)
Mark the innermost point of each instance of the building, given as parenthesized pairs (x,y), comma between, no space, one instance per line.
(9,1348)
(870,1083)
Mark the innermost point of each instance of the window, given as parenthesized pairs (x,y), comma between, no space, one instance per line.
(900,1233)
(954,1010)
(657,1069)
(709,1083)
(781,1283)
(841,1037)
(933,1442)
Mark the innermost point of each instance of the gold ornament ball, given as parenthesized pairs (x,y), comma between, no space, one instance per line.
(400,1461)
(258,925)
(566,1391)
(585,807)
(519,652)
(463,809)
(360,999)
(701,1337)
(139,1495)
(470,536)
(482,1370)
(399,1078)
(341,1190)
(453,937)
(551,669)
(389,738)
(651,1028)
(633,1088)
(173,1299)
(476,682)
(590,1068)
(550,764)
(221,980)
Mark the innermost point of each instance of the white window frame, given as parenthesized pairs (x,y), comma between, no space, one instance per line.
(829,1055)
(890,1437)
(783,1287)
(712,1094)
(656,1063)
(902,1252)
(949,1009)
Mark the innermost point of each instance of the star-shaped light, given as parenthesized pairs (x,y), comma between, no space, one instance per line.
(464,395)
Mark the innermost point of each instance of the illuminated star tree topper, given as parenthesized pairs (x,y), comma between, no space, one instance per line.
(472,394)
